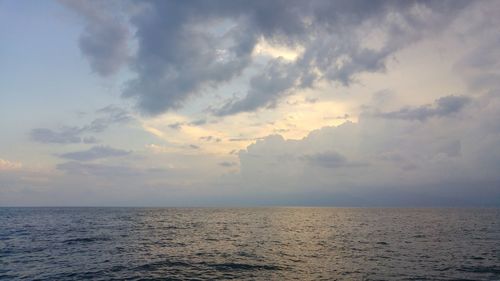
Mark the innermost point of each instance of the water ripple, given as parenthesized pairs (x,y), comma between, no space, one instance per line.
(249,244)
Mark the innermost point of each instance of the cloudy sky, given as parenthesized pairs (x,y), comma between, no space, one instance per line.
(203,103)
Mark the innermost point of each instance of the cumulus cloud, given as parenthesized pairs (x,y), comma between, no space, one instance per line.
(186,48)
(432,158)
(181,50)
(96,152)
(104,38)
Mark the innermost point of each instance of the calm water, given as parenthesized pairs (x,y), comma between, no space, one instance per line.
(249,244)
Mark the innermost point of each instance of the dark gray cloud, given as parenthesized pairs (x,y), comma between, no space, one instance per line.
(104,38)
(176,125)
(96,152)
(106,117)
(334,49)
(188,47)
(178,56)
(210,139)
(442,107)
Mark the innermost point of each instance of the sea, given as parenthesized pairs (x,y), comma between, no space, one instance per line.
(281,243)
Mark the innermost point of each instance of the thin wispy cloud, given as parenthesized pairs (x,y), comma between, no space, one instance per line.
(442,107)
(107,116)
(96,152)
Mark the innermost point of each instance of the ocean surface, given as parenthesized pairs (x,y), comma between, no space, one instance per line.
(249,244)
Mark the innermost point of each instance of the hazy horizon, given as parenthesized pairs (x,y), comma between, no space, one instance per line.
(250,103)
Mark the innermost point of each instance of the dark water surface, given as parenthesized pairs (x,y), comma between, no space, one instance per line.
(249,244)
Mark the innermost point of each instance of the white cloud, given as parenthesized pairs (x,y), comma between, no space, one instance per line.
(409,155)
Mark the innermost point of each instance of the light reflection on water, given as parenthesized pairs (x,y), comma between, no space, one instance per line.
(252,243)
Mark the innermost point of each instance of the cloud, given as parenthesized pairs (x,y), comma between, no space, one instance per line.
(176,125)
(113,175)
(432,158)
(98,170)
(96,152)
(6,165)
(104,38)
(265,89)
(64,135)
(176,58)
(480,66)
(228,164)
(90,140)
(198,122)
(443,106)
(210,139)
(107,116)
(187,48)
(327,159)
(345,117)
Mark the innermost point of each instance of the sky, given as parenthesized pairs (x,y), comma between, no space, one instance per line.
(249,103)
